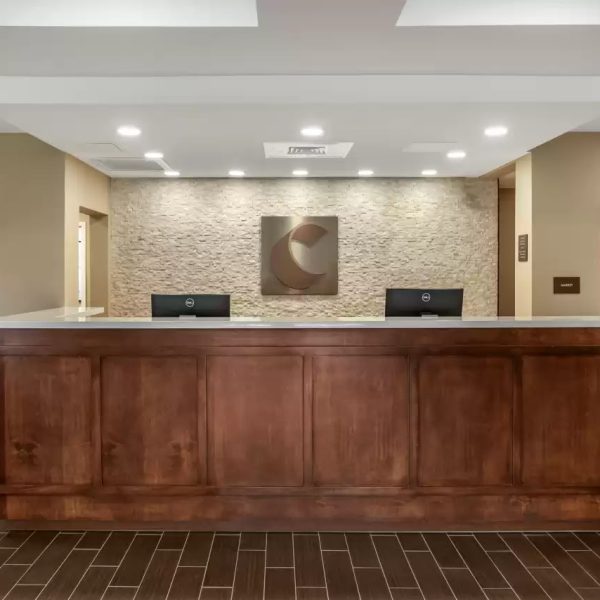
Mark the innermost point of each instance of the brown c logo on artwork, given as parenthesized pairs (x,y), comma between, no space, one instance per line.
(299,256)
(283,264)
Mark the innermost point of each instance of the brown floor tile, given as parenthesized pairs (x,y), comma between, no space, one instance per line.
(430,578)
(500,594)
(280,550)
(463,584)
(114,549)
(135,562)
(444,551)
(24,592)
(406,594)
(94,583)
(562,562)
(197,549)
(590,593)
(14,539)
(519,578)
(253,541)
(9,575)
(220,571)
(32,548)
(309,566)
(479,562)
(66,578)
(216,594)
(591,539)
(491,541)
(93,540)
(412,541)
(311,594)
(568,540)
(186,583)
(157,579)
(526,552)
(333,541)
(249,575)
(5,554)
(279,584)
(362,551)
(120,593)
(554,585)
(589,561)
(173,540)
(48,562)
(372,584)
(339,576)
(394,564)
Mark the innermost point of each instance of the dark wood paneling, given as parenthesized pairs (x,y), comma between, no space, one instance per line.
(255,427)
(360,420)
(561,413)
(465,421)
(149,421)
(47,420)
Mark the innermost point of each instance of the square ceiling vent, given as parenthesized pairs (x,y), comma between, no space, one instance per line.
(307,150)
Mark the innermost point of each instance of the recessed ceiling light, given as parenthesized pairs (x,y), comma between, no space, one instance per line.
(300,173)
(365,173)
(129,131)
(456,154)
(312,131)
(496,131)
(236,173)
(153,155)
(172,173)
(428,172)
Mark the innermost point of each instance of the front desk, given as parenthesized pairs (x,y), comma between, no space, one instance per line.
(342,424)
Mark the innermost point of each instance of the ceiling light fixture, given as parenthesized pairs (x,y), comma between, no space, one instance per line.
(129,131)
(172,173)
(428,172)
(312,131)
(236,173)
(300,173)
(496,131)
(456,154)
(365,173)
(153,155)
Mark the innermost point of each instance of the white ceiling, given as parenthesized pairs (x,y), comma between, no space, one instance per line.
(209,97)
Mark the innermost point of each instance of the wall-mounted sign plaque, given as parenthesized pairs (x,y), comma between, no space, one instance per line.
(524,247)
(299,255)
(567,285)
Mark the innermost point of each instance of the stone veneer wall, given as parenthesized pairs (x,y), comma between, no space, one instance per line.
(203,236)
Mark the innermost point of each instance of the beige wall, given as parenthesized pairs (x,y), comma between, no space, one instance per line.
(523,225)
(86,190)
(566,223)
(204,236)
(506,252)
(31,225)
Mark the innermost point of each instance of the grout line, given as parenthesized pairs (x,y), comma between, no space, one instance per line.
(237,559)
(119,565)
(88,567)
(177,566)
(437,564)
(148,565)
(383,571)
(293,565)
(212,543)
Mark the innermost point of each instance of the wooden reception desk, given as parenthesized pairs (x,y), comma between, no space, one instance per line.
(339,424)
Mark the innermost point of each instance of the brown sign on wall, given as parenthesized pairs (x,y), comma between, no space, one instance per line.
(299,255)
(567,285)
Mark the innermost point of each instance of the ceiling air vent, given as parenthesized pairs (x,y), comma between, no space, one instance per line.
(128,165)
(301,150)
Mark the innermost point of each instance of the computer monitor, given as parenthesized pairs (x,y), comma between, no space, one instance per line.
(422,303)
(190,305)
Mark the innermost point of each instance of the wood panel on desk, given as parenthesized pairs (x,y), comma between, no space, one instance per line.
(255,424)
(465,411)
(47,407)
(561,419)
(360,420)
(150,410)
